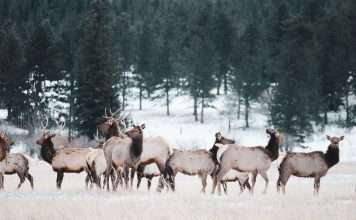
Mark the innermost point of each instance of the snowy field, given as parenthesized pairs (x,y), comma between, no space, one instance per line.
(337,198)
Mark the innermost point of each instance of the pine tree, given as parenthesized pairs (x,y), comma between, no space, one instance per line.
(246,79)
(41,54)
(223,36)
(12,77)
(96,85)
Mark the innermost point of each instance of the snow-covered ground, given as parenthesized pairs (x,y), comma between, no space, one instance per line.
(337,199)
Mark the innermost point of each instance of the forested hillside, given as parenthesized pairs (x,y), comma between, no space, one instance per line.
(69,60)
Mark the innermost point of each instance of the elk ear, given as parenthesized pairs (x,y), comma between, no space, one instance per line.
(218,136)
(341,138)
(51,135)
(143,126)
(328,137)
(268,131)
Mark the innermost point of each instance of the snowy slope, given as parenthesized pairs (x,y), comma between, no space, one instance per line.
(182,132)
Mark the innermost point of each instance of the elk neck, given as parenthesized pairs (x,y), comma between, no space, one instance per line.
(214,150)
(2,149)
(137,142)
(114,131)
(273,147)
(332,155)
(48,151)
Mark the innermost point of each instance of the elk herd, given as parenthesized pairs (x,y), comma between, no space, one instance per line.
(121,155)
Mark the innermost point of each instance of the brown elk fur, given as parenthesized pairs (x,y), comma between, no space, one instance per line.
(18,163)
(124,152)
(192,162)
(63,160)
(256,160)
(5,142)
(314,164)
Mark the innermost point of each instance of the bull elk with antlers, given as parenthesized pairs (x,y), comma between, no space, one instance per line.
(64,159)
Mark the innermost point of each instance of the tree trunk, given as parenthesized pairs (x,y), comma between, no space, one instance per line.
(325,117)
(225,83)
(247,106)
(124,91)
(202,111)
(218,87)
(238,108)
(167,99)
(195,113)
(71,106)
(348,121)
(229,125)
(140,97)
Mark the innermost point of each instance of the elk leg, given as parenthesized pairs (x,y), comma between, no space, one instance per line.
(149,182)
(203,182)
(119,179)
(1,181)
(132,176)
(282,181)
(161,183)
(254,176)
(60,175)
(22,180)
(265,177)
(113,178)
(30,178)
(316,185)
(139,177)
(126,176)
(247,184)
(87,180)
(223,183)
(219,176)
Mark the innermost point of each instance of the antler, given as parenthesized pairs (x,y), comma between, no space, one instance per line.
(96,137)
(61,128)
(44,127)
(112,114)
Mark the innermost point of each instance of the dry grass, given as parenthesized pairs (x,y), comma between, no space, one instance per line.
(337,199)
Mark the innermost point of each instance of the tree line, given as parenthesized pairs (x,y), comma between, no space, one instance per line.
(79,57)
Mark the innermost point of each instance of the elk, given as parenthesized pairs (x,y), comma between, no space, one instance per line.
(256,160)
(192,162)
(148,172)
(110,128)
(5,142)
(233,176)
(155,150)
(64,159)
(97,164)
(18,163)
(124,152)
(314,164)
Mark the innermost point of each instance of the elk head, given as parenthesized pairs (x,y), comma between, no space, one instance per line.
(5,142)
(274,133)
(334,140)
(136,131)
(222,140)
(46,136)
(111,124)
